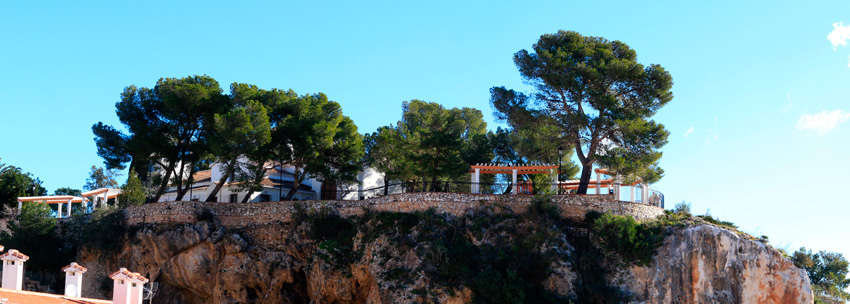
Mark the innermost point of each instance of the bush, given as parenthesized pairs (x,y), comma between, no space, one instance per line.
(710,219)
(34,233)
(493,286)
(633,241)
(104,229)
(683,207)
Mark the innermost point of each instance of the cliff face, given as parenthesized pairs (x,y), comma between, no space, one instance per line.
(707,264)
(485,256)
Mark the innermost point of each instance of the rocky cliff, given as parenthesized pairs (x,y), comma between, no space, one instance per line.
(488,255)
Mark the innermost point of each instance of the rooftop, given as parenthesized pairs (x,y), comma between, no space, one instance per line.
(30,297)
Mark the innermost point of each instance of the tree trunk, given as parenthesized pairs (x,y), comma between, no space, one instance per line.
(180,191)
(258,178)
(164,184)
(296,182)
(586,171)
(228,171)
(386,184)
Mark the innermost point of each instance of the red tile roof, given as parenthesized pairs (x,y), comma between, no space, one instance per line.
(14,255)
(31,297)
(202,176)
(127,274)
(74,267)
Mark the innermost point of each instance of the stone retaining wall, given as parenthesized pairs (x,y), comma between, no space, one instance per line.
(243,214)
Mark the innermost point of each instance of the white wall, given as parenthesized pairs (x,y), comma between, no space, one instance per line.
(121,292)
(13,275)
(73,284)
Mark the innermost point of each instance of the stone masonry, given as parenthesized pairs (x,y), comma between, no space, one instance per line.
(243,214)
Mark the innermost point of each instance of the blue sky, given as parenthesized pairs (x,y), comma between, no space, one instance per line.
(759,125)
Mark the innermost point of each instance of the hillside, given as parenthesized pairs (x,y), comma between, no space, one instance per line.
(490,253)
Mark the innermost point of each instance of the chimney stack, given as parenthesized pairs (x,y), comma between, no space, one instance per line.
(127,287)
(13,269)
(137,288)
(74,280)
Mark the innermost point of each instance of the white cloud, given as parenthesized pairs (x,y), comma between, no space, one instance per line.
(839,35)
(822,122)
(689,131)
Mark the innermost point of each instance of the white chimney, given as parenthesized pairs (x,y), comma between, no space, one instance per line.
(74,280)
(13,269)
(127,287)
(137,288)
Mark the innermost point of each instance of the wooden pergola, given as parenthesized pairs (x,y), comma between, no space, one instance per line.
(489,168)
(98,197)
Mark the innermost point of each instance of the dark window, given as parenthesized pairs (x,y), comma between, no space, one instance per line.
(265,198)
(234,198)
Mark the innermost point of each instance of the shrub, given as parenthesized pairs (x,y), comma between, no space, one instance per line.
(633,241)
(683,207)
(493,286)
(710,219)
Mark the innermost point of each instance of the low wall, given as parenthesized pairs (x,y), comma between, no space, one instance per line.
(243,214)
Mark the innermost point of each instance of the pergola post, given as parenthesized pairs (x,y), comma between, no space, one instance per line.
(513,178)
(19,207)
(617,187)
(69,208)
(104,200)
(555,185)
(633,193)
(59,213)
(476,178)
(598,184)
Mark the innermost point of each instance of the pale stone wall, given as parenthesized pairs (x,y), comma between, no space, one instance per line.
(240,215)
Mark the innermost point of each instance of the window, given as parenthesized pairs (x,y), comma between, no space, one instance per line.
(234,198)
(72,274)
(121,282)
(134,284)
(265,198)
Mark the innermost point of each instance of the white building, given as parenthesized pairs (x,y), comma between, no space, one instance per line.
(276,185)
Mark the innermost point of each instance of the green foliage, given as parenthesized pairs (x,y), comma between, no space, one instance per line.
(101,178)
(535,142)
(635,242)
(33,232)
(134,193)
(335,236)
(386,151)
(68,191)
(493,286)
(430,143)
(103,229)
(165,125)
(15,183)
(242,129)
(594,97)
(318,141)
(827,272)
(683,207)
(710,219)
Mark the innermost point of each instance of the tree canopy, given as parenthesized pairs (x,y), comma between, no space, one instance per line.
(241,130)
(101,178)
(14,183)
(828,274)
(317,140)
(594,97)
(166,125)
(184,124)
(430,143)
